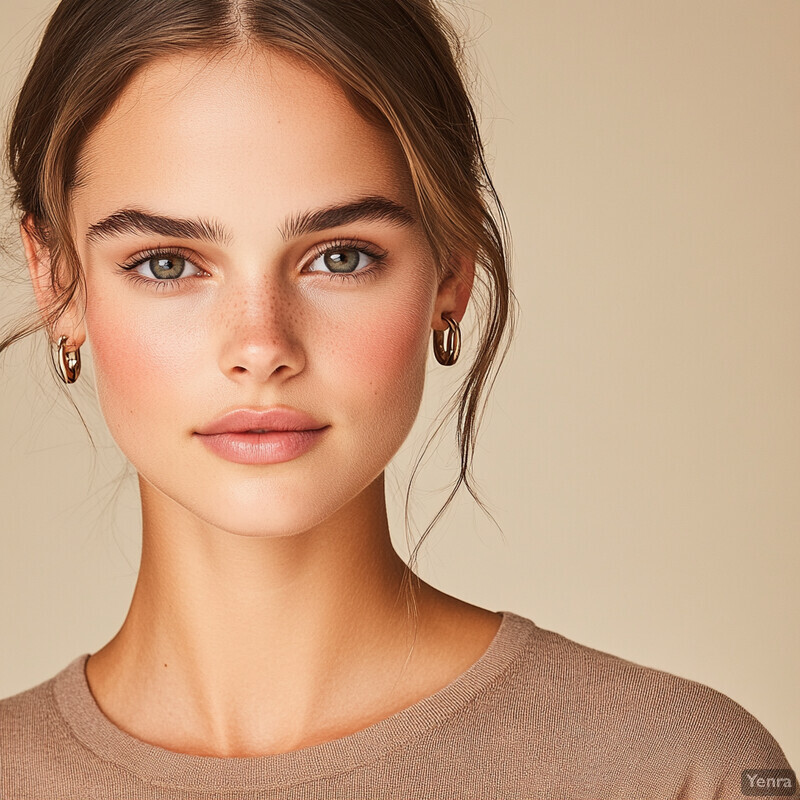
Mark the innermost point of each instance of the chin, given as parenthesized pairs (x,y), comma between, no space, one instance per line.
(266,515)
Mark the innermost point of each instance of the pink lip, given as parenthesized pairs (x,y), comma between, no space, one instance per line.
(277,418)
(262,448)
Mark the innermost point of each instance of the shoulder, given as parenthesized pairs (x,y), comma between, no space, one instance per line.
(34,736)
(612,693)
(28,710)
(586,706)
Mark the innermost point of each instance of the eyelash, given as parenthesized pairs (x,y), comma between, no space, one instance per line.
(164,284)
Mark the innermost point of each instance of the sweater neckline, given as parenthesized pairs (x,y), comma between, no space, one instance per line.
(168,768)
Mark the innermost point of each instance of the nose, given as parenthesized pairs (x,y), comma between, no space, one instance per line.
(257,333)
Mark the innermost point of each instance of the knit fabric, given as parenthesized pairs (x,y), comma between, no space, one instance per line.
(536,716)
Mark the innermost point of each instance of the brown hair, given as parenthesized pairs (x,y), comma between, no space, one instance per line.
(400,63)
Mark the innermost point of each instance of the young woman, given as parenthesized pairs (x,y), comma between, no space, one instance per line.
(263,215)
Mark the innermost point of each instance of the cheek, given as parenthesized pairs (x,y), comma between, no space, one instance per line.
(383,354)
(137,363)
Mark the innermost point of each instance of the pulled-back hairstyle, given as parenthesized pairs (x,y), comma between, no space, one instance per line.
(398,61)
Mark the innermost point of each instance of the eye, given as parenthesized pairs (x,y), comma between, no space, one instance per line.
(347,260)
(343,259)
(163,266)
(161,269)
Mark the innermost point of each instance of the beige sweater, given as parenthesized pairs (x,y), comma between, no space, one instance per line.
(537,716)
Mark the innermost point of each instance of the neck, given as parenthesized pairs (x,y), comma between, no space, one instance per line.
(235,643)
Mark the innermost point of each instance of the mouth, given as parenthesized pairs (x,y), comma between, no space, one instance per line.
(277,419)
(276,430)
(262,446)
(244,431)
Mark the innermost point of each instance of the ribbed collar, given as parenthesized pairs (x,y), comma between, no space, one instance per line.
(168,768)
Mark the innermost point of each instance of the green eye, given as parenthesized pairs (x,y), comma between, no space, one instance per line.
(167,266)
(342,260)
(346,260)
(161,268)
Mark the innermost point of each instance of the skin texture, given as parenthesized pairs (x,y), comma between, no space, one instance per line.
(265,616)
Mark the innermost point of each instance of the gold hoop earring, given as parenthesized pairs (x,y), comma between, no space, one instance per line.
(447,355)
(69,364)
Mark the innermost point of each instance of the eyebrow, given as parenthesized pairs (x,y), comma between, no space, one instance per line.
(371,207)
(132,220)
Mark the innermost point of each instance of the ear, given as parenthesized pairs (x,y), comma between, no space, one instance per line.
(69,323)
(454,291)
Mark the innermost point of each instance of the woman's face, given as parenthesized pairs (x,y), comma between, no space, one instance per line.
(242,307)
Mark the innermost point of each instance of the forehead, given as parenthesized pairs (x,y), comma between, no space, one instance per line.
(198,131)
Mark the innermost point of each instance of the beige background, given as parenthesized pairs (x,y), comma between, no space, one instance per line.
(642,446)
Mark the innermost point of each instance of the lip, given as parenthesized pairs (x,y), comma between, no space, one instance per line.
(276,418)
(262,448)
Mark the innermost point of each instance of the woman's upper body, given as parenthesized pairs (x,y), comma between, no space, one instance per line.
(250,207)
(250,243)
(537,715)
